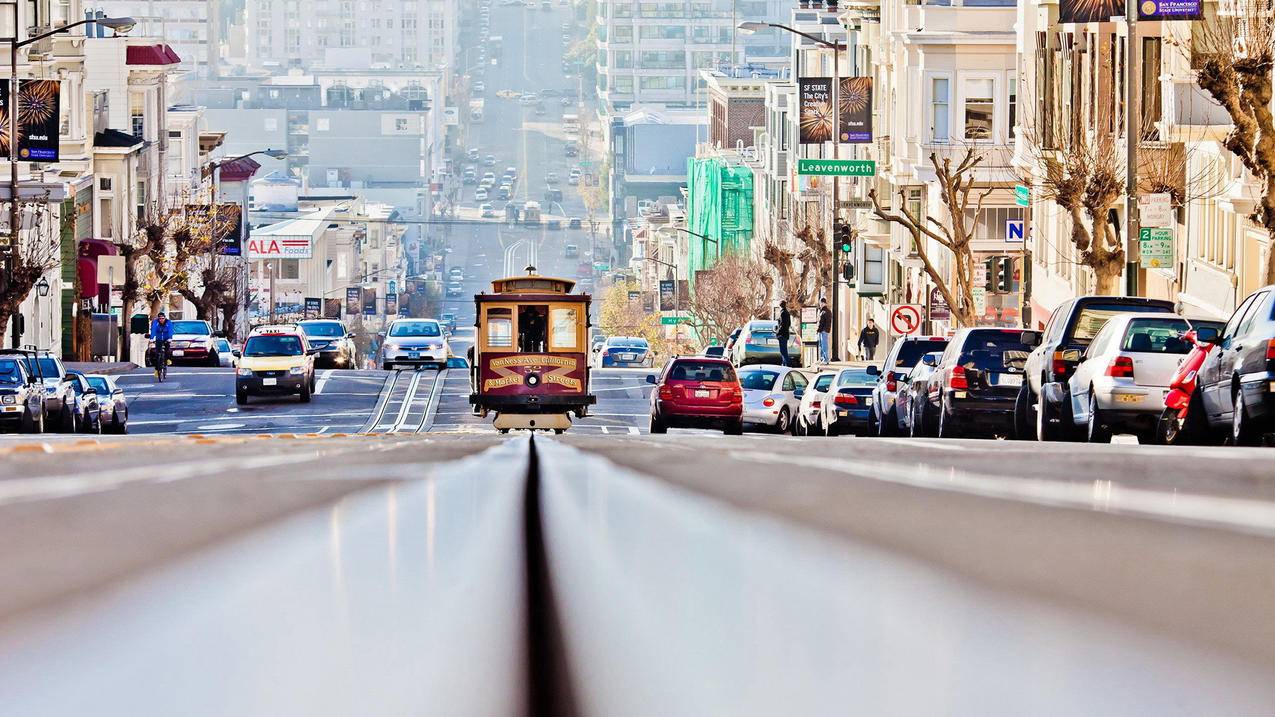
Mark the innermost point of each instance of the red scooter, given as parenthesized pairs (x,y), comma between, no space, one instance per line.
(1183,420)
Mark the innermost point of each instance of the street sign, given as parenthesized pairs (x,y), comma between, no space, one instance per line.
(939,310)
(855,204)
(980,300)
(1156,210)
(1156,247)
(980,274)
(905,319)
(635,295)
(1014,231)
(1022,195)
(837,167)
(674,320)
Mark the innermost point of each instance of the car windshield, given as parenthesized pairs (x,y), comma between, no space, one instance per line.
(48,367)
(701,371)
(9,371)
(327,330)
(758,380)
(856,378)
(995,350)
(1095,316)
(273,346)
(912,351)
(99,384)
(823,382)
(1156,336)
(191,327)
(630,343)
(415,328)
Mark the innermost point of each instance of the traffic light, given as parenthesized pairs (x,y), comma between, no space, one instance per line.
(990,267)
(1005,274)
(844,235)
(847,271)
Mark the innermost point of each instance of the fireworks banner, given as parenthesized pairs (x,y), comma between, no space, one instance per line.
(331,308)
(1071,11)
(816,109)
(856,110)
(225,225)
(39,116)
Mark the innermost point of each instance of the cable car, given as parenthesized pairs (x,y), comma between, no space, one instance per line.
(531,356)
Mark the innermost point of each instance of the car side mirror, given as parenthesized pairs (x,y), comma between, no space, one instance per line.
(929,360)
(68,379)
(799,393)
(312,352)
(236,353)
(90,391)
(350,335)
(650,378)
(1031,339)
(873,371)
(117,392)
(1208,334)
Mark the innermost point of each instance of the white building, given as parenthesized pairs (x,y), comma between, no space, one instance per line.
(189,26)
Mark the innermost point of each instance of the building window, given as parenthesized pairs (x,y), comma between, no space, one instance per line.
(979,104)
(103,183)
(940,99)
(290,269)
(1013,104)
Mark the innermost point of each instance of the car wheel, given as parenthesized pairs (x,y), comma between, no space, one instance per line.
(783,424)
(1048,421)
(1024,427)
(734,428)
(831,430)
(28,424)
(657,425)
(67,422)
(916,429)
(213,361)
(947,424)
(889,425)
(241,398)
(1241,434)
(305,393)
(387,367)
(1095,431)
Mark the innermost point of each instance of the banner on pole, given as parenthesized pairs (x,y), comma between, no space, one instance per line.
(39,120)
(815,94)
(856,110)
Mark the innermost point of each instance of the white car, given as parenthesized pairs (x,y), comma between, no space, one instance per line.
(111,401)
(488,211)
(479,87)
(415,342)
(480,194)
(1121,381)
(225,353)
(772,397)
(809,421)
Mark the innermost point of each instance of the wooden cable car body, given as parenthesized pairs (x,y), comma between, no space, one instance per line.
(531,355)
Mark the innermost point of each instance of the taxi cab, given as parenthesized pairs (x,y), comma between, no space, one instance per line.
(275,359)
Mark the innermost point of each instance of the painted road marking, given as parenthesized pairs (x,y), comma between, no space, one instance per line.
(323,381)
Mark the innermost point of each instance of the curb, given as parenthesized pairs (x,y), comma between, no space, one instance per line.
(109,369)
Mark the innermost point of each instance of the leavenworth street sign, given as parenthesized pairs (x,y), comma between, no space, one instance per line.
(838,167)
(1156,247)
(1022,195)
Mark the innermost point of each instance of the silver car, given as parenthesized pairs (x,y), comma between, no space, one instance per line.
(110,397)
(1120,383)
(772,397)
(415,342)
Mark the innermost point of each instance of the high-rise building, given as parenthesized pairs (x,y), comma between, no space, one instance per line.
(185,25)
(389,34)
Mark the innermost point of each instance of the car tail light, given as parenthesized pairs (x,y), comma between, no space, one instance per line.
(666,393)
(1270,350)
(1121,367)
(1060,366)
(816,404)
(768,402)
(891,384)
(845,399)
(958,378)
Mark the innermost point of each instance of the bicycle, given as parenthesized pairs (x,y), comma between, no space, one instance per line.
(160,357)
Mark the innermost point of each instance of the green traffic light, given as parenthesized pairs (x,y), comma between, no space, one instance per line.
(846,247)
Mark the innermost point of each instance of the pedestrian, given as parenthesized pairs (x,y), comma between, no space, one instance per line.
(824,330)
(869,337)
(783,331)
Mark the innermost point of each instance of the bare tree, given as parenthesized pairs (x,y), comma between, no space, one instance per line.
(1234,53)
(36,256)
(733,292)
(956,191)
(804,273)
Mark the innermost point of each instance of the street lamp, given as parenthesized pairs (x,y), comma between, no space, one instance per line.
(120,25)
(837,48)
(42,288)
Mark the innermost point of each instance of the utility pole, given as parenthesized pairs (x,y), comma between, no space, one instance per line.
(15,254)
(835,337)
(1133,137)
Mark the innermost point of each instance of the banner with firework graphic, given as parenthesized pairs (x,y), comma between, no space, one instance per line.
(856,110)
(39,117)
(1089,10)
(816,109)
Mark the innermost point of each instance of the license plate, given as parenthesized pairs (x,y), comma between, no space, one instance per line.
(269,382)
(1007,379)
(701,394)
(627,357)
(772,342)
(12,409)
(867,401)
(1128,398)
(179,352)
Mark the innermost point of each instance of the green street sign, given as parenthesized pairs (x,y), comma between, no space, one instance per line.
(1156,247)
(674,320)
(1022,195)
(837,167)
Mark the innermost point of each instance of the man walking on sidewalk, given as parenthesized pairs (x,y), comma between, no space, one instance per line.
(824,329)
(869,337)
(783,331)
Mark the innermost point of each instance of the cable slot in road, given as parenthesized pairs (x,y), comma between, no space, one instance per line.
(407,405)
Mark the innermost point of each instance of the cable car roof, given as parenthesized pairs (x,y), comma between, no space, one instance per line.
(531,282)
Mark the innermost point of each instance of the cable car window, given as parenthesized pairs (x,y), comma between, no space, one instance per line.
(533,328)
(500,328)
(563,325)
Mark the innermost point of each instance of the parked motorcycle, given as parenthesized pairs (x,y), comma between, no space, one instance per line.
(1183,420)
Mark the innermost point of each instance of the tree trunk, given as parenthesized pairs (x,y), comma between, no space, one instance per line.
(1266,211)
(1107,280)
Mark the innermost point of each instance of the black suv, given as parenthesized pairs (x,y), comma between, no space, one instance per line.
(1043,409)
(975,385)
(333,342)
(21,395)
(59,398)
(1237,380)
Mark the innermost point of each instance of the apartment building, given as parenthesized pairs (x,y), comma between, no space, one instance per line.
(189,26)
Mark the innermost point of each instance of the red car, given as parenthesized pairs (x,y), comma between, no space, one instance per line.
(697,392)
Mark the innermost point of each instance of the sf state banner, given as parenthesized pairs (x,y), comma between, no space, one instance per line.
(39,118)
(353,301)
(816,110)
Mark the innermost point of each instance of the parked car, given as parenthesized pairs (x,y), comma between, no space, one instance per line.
(333,341)
(911,403)
(21,395)
(903,355)
(224,351)
(618,351)
(1237,380)
(758,343)
(697,393)
(772,396)
(847,408)
(48,371)
(85,403)
(415,342)
(111,399)
(810,412)
(975,386)
(1056,351)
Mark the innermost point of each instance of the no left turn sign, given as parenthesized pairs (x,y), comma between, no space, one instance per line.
(905,319)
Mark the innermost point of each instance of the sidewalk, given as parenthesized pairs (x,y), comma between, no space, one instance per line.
(112,368)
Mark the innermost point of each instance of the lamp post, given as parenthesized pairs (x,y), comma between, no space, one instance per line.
(120,25)
(837,48)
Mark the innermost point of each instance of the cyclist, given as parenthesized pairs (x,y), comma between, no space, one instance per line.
(161,334)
